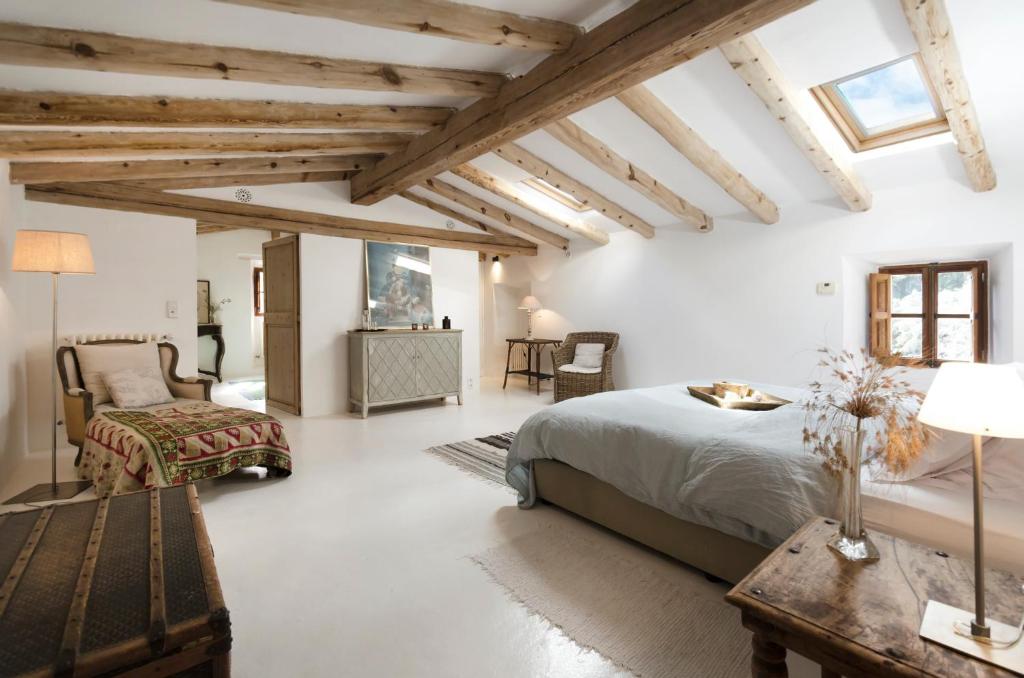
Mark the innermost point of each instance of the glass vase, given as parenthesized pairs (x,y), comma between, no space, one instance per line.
(852,542)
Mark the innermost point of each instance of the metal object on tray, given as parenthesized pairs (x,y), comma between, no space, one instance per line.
(755,400)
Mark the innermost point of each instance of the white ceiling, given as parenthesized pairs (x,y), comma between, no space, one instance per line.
(824,41)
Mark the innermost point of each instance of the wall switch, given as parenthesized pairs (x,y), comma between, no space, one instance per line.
(826,289)
(172,309)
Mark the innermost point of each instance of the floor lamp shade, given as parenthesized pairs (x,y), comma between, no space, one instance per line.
(52,252)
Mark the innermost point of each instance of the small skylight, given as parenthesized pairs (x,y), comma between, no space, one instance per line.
(556,193)
(884,105)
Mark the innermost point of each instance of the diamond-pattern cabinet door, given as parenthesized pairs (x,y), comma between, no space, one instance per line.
(439,364)
(392,369)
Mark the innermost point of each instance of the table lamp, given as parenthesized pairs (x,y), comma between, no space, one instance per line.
(982,400)
(53,252)
(529,304)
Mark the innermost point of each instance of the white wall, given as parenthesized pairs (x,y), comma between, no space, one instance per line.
(333,298)
(501,288)
(741,301)
(13,414)
(142,262)
(225,259)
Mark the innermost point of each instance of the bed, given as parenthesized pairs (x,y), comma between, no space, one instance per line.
(719,489)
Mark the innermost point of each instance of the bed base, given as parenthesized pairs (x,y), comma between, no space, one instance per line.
(713,552)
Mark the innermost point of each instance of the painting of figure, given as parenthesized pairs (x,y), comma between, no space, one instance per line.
(398,284)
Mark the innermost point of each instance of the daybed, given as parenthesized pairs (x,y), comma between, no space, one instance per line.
(719,489)
(122,450)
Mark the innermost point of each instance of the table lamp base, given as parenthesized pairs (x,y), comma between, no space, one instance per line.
(951,626)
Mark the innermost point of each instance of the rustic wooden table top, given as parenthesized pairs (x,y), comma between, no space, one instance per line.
(863,618)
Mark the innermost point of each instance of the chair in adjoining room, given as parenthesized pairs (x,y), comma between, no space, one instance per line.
(573,380)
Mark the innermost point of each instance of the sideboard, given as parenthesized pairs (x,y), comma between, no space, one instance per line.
(403,366)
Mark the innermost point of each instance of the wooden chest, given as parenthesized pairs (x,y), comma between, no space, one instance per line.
(122,585)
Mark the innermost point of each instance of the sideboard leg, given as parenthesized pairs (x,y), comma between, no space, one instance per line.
(459,398)
(366,410)
(768,659)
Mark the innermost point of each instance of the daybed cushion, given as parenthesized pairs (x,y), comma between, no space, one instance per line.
(137,387)
(96,359)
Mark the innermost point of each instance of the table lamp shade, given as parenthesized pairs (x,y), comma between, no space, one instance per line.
(530,303)
(52,252)
(976,398)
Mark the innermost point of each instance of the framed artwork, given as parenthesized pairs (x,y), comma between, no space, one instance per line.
(203,301)
(398,284)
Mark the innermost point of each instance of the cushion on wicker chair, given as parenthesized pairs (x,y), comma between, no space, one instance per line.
(576,369)
(588,355)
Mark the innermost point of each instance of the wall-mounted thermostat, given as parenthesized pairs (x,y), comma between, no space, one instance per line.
(826,289)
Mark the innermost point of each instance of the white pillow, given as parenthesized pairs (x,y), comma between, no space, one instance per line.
(137,387)
(579,370)
(94,360)
(588,355)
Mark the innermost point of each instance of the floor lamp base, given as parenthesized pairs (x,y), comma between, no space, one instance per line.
(951,626)
(48,492)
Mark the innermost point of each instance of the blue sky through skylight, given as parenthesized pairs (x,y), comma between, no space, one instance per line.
(889,97)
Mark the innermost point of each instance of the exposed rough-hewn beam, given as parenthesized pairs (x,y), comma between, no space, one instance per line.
(753,63)
(647,38)
(239,180)
(681,136)
(204,229)
(506,191)
(539,168)
(26,45)
(446,211)
(226,213)
(579,140)
(929,22)
(503,217)
(136,170)
(438,18)
(99,144)
(61,108)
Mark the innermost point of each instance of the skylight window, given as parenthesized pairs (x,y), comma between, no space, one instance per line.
(884,105)
(558,194)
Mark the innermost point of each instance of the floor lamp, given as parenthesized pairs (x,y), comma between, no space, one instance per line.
(52,252)
(980,400)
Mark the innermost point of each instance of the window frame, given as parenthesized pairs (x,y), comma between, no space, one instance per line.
(930,315)
(845,120)
(258,291)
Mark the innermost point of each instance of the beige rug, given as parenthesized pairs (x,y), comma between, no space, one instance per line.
(609,596)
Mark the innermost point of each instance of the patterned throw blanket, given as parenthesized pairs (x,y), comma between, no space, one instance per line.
(128,450)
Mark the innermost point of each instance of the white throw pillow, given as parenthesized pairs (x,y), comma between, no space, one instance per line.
(579,370)
(95,360)
(588,355)
(137,387)
(943,451)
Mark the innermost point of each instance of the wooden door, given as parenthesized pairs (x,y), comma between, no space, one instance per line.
(281,333)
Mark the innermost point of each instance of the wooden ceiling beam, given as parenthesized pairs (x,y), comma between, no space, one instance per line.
(437,18)
(227,213)
(188,168)
(684,139)
(539,168)
(757,68)
(506,191)
(645,39)
(25,45)
(62,108)
(238,180)
(579,140)
(203,229)
(99,144)
(503,217)
(930,24)
(446,211)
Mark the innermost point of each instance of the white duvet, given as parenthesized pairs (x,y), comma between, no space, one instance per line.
(744,473)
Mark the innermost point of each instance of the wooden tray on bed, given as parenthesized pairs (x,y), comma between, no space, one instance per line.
(757,400)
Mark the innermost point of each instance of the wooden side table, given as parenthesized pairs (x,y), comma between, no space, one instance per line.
(534,347)
(215,332)
(862,619)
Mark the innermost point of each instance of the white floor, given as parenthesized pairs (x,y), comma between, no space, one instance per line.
(357,565)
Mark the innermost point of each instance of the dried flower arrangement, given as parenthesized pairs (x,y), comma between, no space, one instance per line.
(864,387)
(216,306)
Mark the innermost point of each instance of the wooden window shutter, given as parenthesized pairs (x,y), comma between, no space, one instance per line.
(979,316)
(880,315)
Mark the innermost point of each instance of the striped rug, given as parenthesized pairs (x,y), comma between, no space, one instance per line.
(484,457)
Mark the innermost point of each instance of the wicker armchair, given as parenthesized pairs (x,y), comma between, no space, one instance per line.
(572,384)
